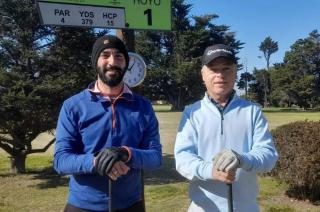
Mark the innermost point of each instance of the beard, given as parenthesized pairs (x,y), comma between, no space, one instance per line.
(115,79)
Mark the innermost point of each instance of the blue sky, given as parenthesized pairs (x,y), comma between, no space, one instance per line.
(285,21)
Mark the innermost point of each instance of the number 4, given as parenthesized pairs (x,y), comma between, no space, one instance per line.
(149,13)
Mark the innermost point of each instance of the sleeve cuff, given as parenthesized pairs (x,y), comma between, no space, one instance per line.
(129,153)
(245,162)
(90,164)
(207,171)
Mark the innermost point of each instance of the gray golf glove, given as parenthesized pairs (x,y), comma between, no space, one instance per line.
(227,160)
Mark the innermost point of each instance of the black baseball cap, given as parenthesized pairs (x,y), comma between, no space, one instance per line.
(218,50)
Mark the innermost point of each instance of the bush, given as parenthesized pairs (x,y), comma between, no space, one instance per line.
(298,144)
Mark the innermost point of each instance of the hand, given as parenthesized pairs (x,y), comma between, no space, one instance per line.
(118,169)
(227,160)
(107,157)
(225,177)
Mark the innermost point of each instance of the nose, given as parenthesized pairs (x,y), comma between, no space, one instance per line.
(220,73)
(111,59)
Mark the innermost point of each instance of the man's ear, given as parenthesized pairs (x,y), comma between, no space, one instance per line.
(202,72)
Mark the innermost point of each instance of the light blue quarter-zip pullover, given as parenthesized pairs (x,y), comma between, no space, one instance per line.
(205,131)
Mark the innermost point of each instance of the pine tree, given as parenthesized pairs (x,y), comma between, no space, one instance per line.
(40,67)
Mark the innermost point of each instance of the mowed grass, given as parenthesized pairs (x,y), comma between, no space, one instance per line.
(169,122)
(277,119)
(41,189)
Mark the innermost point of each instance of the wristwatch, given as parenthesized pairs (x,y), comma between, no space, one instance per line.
(136,71)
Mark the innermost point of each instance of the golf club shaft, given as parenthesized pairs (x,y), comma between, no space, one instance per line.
(110,196)
(142,190)
(110,193)
(230,198)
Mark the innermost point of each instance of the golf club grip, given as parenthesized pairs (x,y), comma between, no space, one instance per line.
(230,198)
(110,196)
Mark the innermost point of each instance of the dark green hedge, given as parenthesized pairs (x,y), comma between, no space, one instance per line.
(298,144)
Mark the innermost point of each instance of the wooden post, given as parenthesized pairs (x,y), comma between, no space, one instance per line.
(127,36)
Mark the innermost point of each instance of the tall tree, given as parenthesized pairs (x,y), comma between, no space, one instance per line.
(40,67)
(299,76)
(281,92)
(268,47)
(244,82)
(259,85)
(174,57)
(20,103)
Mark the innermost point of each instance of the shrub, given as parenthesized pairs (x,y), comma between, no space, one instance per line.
(298,144)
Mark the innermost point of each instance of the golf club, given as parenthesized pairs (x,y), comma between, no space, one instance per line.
(110,196)
(230,198)
(142,193)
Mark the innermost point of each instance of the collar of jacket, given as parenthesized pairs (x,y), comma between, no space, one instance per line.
(98,97)
(220,107)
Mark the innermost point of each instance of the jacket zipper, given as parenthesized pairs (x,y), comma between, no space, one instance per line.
(221,110)
(221,122)
(113,108)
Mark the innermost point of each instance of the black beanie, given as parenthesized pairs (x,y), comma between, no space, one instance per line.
(107,42)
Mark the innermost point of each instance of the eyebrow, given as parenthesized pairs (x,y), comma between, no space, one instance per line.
(108,51)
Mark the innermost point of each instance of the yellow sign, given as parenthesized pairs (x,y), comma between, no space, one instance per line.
(126,14)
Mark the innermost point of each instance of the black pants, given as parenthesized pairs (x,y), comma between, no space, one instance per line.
(136,207)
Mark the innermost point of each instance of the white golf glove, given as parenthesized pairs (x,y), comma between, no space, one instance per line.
(227,160)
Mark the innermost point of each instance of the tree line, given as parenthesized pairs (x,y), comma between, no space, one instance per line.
(294,82)
(40,66)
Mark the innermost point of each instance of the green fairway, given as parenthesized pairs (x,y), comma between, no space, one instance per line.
(277,119)
(41,189)
(169,122)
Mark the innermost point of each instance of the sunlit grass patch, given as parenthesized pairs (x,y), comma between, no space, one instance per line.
(270,187)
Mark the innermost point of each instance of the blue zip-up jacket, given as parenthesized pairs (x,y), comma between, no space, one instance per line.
(88,123)
(204,131)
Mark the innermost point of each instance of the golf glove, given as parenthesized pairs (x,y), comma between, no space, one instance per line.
(106,158)
(227,160)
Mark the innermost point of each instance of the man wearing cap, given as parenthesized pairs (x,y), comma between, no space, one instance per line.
(223,139)
(106,132)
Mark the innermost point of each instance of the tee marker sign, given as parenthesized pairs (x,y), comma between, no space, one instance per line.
(123,14)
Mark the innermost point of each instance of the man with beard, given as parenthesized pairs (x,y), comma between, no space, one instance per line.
(106,132)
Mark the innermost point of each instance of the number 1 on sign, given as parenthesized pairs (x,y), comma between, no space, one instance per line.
(149,14)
